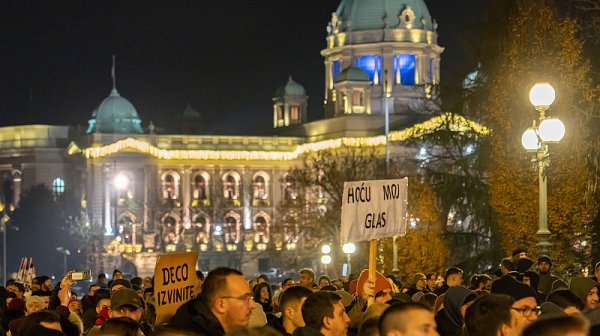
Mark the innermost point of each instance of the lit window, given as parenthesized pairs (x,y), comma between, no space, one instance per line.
(404,69)
(231,230)
(357,98)
(260,187)
(294,114)
(261,230)
(336,68)
(230,186)
(170,185)
(200,187)
(371,64)
(201,230)
(58,186)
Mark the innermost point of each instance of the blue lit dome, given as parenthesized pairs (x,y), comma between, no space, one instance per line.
(373,14)
(115,114)
(291,88)
(353,74)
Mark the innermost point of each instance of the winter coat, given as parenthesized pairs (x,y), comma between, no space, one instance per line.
(306,331)
(195,316)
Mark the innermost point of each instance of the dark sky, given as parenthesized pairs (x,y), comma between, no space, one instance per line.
(226,57)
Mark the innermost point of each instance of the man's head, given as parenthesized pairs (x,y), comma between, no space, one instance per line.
(121,326)
(518,254)
(382,288)
(410,319)
(419,280)
(228,296)
(325,312)
(307,278)
(506,265)
(16,288)
(198,284)
(290,305)
(525,298)
(597,270)
(117,275)
(587,290)
(126,303)
(324,280)
(262,278)
(34,304)
(93,288)
(431,280)
(288,282)
(45,283)
(566,300)
(119,284)
(102,278)
(492,315)
(454,276)
(571,325)
(46,319)
(544,264)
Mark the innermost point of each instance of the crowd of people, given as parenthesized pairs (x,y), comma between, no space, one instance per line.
(522,297)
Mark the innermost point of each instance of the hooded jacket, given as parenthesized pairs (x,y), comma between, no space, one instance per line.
(195,316)
(449,319)
(581,286)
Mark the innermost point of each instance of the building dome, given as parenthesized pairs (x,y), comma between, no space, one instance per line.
(376,14)
(115,114)
(291,88)
(353,74)
(191,113)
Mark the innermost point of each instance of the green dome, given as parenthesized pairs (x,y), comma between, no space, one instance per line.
(353,74)
(115,114)
(372,14)
(291,88)
(190,113)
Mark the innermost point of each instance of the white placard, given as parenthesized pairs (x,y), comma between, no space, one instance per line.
(374,209)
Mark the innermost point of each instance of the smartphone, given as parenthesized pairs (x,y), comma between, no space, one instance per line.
(82,276)
(345,269)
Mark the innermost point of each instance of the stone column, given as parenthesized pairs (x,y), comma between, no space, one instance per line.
(107,174)
(186,199)
(16,177)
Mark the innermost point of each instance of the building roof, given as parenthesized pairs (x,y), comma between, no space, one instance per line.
(115,114)
(291,88)
(373,14)
(353,74)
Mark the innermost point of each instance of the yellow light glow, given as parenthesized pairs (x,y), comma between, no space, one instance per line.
(457,124)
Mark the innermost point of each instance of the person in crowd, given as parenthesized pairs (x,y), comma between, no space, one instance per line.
(14,311)
(370,327)
(324,280)
(428,300)
(403,319)
(380,291)
(102,280)
(198,284)
(518,253)
(118,284)
(262,278)
(75,307)
(544,268)
(149,282)
(566,301)
(569,325)
(323,314)
(450,318)
(307,278)
(41,323)
(452,277)
(224,304)
(123,303)
(596,272)
(254,331)
(419,284)
(121,326)
(290,306)
(17,288)
(33,304)
(587,290)
(493,315)
(525,298)
(506,266)
(117,275)
(431,282)
(262,296)
(101,300)
(288,282)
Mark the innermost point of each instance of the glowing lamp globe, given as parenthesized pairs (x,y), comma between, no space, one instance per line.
(551,130)
(542,95)
(121,181)
(530,140)
(326,249)
(348,248)
(326,259)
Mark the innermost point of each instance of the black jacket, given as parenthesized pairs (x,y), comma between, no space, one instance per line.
(306,331)
(277,324)
(195,316)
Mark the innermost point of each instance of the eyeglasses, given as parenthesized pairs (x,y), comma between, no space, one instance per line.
(246,297)
(526,311)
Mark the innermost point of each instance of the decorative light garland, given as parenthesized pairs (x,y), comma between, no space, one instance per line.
(457,124)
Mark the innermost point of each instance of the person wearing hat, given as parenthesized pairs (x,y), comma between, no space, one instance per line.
(119,284)
(123,303)
(525,298)
(587,290)
(544,266)
(456,301)
(419,284)
(380,290)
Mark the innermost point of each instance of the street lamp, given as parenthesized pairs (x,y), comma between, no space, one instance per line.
(349,248)
(326,260)
(536,139)
(4,221)
(120,182)
(65,253)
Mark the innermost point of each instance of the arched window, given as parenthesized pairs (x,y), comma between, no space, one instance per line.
(201,229)
(290,232)
(200,188)
(261,229)
(231,229)
(126,230)
(261,186)
(170,230)
(231,182)
(170,185)
(290,192)
(58,186)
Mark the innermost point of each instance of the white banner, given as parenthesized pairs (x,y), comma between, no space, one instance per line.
(374,209)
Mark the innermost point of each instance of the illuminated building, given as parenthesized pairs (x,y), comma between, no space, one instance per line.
(151,193)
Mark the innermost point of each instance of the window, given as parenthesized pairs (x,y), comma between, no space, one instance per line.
(170,230)
(261,230)
(231,229)
(294,114)
(261,184)
(200,187)
(170,184)
(371,64)
(336,67)
(404,69)
(357,98)
(201,229)
(289,188)
(58,186)
(279,115)
(231,186)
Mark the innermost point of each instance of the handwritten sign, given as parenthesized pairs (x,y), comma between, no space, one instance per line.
(174,280)
(374,209)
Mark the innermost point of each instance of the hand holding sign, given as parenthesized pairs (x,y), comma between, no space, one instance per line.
(175,277)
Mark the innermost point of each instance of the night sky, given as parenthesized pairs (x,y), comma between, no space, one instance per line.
(226,58)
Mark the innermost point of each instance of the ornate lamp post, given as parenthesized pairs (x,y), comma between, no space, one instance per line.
(120,182)
(536,139)
(349,248)
(326,258)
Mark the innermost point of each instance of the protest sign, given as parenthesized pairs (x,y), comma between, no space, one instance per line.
(374,209)
(174,280)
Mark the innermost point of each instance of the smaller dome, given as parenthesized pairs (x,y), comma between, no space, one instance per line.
(353,74)
(191,113)
(115,114)
(291,88)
